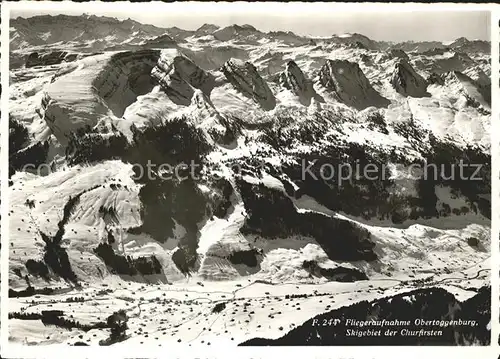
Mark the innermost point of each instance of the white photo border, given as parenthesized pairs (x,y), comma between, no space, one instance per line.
(10,350)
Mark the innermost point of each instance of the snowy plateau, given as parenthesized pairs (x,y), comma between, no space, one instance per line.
(245,249)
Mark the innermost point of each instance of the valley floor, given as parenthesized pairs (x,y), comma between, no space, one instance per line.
(161,314)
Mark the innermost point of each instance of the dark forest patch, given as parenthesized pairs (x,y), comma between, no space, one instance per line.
(425,304)
(271,214)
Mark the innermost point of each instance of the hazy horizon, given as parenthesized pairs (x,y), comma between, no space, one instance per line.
(380,26)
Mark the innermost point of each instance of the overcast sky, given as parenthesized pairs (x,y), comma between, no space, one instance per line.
(316,20)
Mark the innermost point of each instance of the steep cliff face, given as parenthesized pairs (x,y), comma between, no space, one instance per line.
(294,80)
(245,79)
(124,78)
(346,81)
(179,76)
(407,82)
(101,87)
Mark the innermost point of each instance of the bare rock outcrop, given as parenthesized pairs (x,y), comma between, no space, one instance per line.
(49,58)
(179,76)
(245,78)
(348,84)
(407,82)
(124,78)
(435,79)
(294,80)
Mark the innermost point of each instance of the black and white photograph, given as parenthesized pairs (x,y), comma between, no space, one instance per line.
(248,176)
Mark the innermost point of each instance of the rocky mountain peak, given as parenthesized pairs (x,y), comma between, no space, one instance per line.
(294,80)
(161,41)
(179,76)
(407,82)
(461,41)
(207,28)
(84,29)
(346,81)
(244,77)
(234,32)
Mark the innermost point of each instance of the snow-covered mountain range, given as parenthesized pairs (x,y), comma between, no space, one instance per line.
(256,240)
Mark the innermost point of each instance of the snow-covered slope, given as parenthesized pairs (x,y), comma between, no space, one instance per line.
(194,177)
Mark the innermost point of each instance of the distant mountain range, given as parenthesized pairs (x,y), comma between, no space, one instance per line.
(102,32)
